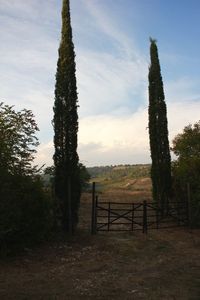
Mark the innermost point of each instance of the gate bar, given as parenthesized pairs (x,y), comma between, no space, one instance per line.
(144,216)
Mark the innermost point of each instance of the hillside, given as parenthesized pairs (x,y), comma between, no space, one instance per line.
(120,171)
(123,181)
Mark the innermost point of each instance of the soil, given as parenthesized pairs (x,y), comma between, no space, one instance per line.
(163,264)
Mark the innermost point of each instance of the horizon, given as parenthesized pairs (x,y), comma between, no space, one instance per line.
(120,165)
(111,42)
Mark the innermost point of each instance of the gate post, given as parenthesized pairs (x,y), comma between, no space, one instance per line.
(189,205)
(108,216)
(144,216)
(93,224)
(96,211)
(157,215)
(132,223)
(69,199)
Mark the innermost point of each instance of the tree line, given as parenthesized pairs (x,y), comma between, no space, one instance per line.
(27,211)
(119,171)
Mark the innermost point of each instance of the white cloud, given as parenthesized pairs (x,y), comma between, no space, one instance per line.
(106,140)
(28,56)
(125,45)
(180,114)
(114,139)
(44,154)
(107,83)
(113,80)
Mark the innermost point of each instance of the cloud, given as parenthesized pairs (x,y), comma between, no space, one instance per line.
(110,140)
(114,139)
(102,20)
(30,10)
(107,83)
(112,80)
(180,114)
(44,154)
(28,56)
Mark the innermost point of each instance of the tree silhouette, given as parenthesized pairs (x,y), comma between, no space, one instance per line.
(66,160)
(158,133)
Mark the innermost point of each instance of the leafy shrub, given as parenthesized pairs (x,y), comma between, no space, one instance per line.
(25,212)
(25,209)
(186,169)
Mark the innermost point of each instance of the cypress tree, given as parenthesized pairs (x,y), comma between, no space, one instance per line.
(158,133)
(65,122)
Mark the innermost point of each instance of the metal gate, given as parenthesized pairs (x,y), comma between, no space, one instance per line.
(126,216)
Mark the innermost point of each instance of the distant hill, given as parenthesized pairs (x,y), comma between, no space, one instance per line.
(122,177)
(119,171)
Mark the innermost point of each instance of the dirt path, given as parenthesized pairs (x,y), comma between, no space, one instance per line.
(160,265)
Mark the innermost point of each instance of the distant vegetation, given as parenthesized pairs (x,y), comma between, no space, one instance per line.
(121,177)
(119,171)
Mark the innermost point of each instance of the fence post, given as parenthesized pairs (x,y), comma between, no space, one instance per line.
(189,205)
(70,225)
(144,216)
(178,212)
(93,229)
(157,215)
(132,225)
(95,215)
(108,216)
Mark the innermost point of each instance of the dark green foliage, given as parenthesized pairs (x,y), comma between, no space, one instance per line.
(17,140)
(84,176)
(158,133)
(25,212)
(48,176)
(117,172)
(186,169)
(67,175)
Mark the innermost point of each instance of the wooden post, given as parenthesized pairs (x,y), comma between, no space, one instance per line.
(69,196)
(93,231)
(95,216)
(189,206)
(145,216)
(157,215)
(132,225)
(108,216)
(178,212)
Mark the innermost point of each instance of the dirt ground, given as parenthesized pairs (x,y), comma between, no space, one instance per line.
(164,264)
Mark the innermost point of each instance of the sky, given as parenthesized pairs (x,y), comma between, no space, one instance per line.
(111,39)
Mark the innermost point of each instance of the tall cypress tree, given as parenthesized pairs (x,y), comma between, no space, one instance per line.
(66,160)
(158,133)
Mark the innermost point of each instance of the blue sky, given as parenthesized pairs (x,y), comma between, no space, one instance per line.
(111,40)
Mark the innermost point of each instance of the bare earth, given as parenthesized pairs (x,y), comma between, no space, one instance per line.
(163,264)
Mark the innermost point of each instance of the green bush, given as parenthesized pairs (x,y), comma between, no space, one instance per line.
(186,169)
(25,212)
